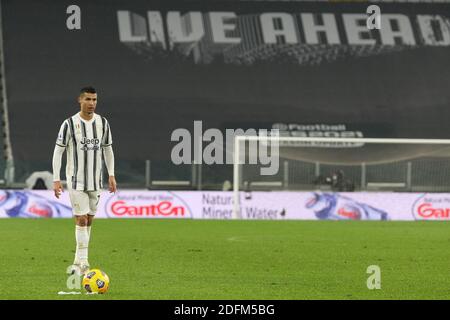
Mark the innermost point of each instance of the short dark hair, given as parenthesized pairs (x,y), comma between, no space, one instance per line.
(88,90)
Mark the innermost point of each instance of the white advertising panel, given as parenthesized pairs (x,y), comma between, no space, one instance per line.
(143,204)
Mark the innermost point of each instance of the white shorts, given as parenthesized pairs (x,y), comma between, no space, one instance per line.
(84,202)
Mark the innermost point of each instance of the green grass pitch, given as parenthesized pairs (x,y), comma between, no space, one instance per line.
(205,259)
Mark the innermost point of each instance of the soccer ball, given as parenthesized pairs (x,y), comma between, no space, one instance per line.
(96,281)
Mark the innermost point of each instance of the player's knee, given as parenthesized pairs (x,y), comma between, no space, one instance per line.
(82,221)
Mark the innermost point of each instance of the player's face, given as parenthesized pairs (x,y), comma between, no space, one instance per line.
(88,102)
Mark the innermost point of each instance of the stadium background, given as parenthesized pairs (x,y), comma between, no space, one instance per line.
(396,89)
(381,90)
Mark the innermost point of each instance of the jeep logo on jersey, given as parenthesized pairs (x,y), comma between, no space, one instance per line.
(90,144)
(89,141)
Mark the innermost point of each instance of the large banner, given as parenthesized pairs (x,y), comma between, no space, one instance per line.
(307,68)
(219,205)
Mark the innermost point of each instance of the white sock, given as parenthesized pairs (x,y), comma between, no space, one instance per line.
(82,237)
(89,233)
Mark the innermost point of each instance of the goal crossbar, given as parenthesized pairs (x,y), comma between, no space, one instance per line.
(319,139)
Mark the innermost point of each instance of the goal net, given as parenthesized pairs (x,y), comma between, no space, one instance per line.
(338,165)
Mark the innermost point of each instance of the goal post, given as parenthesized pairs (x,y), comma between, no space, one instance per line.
(362,164)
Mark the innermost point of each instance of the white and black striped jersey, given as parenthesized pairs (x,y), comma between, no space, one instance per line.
(84,142)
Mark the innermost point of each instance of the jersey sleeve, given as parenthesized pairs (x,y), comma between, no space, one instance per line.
(107,136)
(63,135)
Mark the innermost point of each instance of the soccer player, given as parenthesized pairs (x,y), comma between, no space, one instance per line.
(86,136)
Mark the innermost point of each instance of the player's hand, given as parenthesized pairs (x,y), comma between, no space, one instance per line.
(112,184)
(57,188)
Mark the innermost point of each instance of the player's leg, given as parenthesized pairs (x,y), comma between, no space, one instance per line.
(90,219)
(94,198)
(82,239)
(81,220)
(80,208)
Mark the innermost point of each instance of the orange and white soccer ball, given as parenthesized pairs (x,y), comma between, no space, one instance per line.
(96,281)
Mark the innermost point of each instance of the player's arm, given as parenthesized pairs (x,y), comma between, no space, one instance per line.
(61,142)
(109,162)
(57,159)
(109,155)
